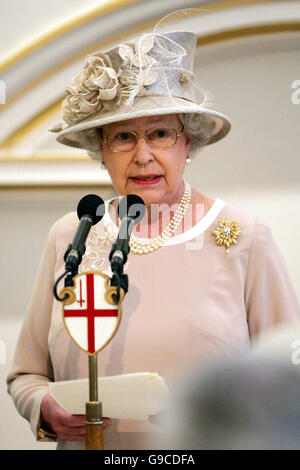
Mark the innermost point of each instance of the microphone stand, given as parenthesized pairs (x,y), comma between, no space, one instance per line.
(117,257)
(93,408)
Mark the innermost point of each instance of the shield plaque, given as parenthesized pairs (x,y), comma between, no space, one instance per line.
(90,316)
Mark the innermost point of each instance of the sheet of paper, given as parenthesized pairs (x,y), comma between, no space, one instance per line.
(127,396)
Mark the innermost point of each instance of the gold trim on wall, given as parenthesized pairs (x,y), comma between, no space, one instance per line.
(30,125)
(47,156)
(280,27)
(53,109)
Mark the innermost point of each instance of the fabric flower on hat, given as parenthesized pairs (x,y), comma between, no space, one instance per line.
(137,68)
(95,85)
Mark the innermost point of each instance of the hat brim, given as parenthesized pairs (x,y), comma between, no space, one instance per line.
(80,136)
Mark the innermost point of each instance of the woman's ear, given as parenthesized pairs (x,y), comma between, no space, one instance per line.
(188,141)
(100,134)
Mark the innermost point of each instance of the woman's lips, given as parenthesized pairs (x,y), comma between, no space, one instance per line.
(146,179)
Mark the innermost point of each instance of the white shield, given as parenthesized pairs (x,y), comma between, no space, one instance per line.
(90,319)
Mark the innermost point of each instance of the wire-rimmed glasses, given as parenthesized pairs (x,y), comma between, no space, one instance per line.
(125,141)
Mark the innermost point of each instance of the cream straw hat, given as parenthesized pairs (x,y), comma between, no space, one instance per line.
(150,75)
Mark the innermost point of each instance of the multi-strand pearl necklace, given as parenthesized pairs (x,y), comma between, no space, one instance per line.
(141,247)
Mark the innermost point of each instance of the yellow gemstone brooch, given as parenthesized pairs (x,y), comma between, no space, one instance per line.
(226,233)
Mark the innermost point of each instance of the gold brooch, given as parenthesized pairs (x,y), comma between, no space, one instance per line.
(226,233)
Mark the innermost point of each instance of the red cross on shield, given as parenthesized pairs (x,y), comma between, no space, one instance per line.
(91,320)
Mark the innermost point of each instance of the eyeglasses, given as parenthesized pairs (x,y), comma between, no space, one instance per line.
(161,138)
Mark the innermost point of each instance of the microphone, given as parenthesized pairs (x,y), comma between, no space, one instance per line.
(90,211)
(131,210)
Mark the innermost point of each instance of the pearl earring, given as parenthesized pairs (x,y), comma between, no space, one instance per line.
(188,161)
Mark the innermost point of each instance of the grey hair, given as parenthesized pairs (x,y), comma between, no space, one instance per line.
(199,126)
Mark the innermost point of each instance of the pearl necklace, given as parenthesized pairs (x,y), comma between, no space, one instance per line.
(141,247)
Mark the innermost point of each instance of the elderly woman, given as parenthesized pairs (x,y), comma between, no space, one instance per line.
(204,276)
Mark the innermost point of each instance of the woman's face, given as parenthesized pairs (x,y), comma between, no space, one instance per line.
(166,164)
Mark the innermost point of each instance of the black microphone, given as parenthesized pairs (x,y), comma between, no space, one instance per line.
(90,211)
(131,210)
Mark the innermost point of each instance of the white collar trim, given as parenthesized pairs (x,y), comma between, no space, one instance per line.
(190,234)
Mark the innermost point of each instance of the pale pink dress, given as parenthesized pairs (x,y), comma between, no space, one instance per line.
(188,301)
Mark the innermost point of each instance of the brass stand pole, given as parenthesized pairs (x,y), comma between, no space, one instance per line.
(93,424)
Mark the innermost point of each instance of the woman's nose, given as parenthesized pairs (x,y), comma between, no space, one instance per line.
(142,151)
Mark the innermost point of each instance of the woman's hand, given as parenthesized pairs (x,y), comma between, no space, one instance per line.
(67,427)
